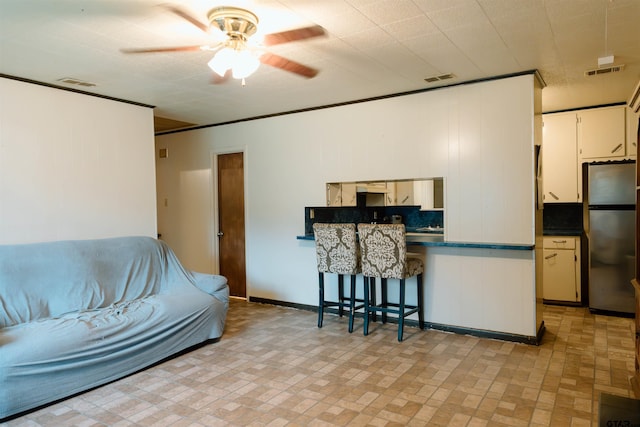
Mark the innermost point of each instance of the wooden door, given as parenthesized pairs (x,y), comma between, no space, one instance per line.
(231,236)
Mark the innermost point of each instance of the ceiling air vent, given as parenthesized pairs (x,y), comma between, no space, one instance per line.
(77,82)
(604,70)
(434,79)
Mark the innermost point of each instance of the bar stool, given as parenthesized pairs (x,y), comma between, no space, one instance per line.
(383,249)
(337,252)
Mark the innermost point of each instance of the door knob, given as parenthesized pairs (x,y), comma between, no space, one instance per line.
(220,234)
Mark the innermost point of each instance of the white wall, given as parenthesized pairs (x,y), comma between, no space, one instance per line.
(73,166)
(479,137)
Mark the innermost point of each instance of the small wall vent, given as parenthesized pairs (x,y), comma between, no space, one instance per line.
(77,82)
(433,79)
(604,70)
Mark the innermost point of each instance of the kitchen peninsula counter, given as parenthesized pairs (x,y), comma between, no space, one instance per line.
(462,295)
(434,240)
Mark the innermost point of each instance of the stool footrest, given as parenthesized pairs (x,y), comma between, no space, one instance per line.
(408,309)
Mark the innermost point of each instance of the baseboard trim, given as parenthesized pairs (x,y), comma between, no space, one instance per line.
(480,333)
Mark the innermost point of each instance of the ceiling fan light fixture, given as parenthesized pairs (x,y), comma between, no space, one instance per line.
(222,61)
(245,64)
(242,63)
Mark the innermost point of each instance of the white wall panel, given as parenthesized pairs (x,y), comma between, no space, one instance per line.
(462,289)
(479,137)
(73,166)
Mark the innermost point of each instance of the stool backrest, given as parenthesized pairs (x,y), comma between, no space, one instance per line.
(384,250)
(336,248)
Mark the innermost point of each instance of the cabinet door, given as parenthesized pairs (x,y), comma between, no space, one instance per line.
(601,133)
(334,194)
(559,275)
(349,194)
(560,159)
(391,197)
(632,133)
(404,193)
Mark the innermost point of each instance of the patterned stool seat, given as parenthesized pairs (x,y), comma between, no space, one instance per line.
(384,255)
(337,252)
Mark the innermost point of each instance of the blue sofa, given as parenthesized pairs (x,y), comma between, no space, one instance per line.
(78,314)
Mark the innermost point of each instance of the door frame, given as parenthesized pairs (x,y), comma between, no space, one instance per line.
(215,224)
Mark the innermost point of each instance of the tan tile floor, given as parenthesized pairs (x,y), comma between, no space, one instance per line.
(274,367)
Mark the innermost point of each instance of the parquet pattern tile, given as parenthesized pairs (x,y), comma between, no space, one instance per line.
(273,367)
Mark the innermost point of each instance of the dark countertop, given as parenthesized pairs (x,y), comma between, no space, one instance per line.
(434,240)
(562,232)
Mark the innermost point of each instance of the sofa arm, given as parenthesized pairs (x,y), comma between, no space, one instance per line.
(212,284)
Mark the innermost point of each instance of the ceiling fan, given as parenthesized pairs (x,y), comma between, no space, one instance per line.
(237,56)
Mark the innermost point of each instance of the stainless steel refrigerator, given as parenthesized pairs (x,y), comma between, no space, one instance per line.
(611,233)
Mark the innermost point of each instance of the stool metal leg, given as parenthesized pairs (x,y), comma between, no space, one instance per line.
(352,302)
(401,310)
(372,296)
(365,328)
(320,298)
(420,303)
(340,294)
(385,299)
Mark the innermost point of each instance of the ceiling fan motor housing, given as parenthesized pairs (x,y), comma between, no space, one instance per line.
(237,23)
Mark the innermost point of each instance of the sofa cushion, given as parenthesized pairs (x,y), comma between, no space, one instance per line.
(57,357)
(44,280)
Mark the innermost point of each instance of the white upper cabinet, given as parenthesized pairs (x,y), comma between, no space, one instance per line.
(632,133)
(560,158)
(349,194)
(404,193)
(601,133)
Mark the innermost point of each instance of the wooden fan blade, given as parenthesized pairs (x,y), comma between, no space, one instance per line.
(187,16)
(288,65)
(162,49)
(293,35)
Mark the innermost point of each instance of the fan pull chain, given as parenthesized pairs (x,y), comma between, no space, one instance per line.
(243,82)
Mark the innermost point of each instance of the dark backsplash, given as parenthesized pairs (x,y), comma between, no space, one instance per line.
(412,216)
(562,216)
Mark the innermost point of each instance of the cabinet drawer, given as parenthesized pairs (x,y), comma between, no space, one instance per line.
(559,242)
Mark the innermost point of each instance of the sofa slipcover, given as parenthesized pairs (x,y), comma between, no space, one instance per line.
(78,314)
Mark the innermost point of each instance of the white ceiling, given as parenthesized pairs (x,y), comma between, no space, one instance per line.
(373,48)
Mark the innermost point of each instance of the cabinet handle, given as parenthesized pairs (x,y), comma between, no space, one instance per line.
(553,195)
(619,146)
(551,256)
(559,241)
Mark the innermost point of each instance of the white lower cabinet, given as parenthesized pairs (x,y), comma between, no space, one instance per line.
(561,269)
